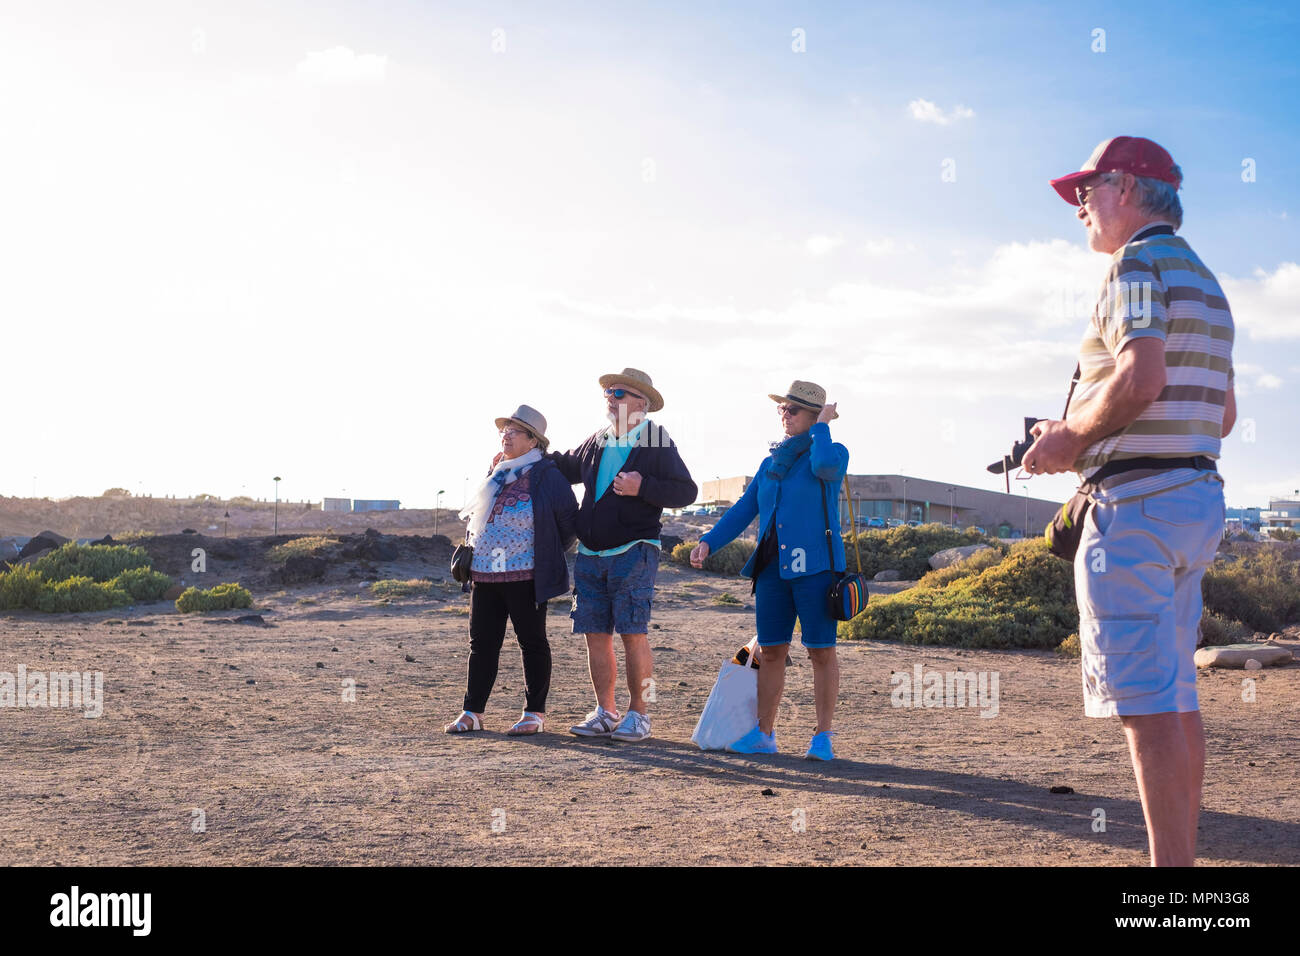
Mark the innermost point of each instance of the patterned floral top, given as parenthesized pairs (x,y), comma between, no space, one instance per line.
(504,550)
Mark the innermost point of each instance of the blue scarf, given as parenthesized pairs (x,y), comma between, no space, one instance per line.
(786,453)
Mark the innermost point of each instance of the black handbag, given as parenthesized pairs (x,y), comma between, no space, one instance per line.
(461,559)
(848,594)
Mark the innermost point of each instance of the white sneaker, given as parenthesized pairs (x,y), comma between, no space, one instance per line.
(599,723)
(635,726)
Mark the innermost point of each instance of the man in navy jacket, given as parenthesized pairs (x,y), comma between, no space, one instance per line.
(630,472)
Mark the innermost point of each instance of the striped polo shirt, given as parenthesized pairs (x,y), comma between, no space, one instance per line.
(1158,287)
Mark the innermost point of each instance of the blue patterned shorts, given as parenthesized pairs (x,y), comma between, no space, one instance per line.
(613,594)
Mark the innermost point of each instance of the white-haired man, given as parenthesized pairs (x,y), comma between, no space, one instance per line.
(1154,397)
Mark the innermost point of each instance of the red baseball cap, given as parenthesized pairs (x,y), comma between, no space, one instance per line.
(1123,154)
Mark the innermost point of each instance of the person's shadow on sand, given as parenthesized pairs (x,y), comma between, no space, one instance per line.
(1230,836)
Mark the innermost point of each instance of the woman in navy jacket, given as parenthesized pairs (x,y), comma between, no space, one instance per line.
(793,494)
(521,521)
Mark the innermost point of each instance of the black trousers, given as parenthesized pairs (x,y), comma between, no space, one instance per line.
(489,606)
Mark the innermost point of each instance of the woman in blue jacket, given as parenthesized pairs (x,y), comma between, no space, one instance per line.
(793,494)
(521,521)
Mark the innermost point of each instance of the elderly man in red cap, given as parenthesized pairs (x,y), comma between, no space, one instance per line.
(1153,396)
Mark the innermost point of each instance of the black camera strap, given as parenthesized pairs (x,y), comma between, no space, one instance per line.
(1119,466)
(1149,233)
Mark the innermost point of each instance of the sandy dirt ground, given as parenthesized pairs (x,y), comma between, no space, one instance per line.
(233,743)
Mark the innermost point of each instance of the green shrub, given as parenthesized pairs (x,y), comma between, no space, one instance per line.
(1284,534)
(1261,589)
(1070,647)
(303,546)
(80,593)
(143,584)
(1217,630)
(99,562)
(1025,600)
(392,587)
(220,598)
(727,598)
(731,559)
(21,588)
(906,549)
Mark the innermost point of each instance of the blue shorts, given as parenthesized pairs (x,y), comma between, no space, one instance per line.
(613,594)
(778,602)
(1137,577)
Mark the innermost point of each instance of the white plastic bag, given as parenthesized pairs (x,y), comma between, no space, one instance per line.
(732,708)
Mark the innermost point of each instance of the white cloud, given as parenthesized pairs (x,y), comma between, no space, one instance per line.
(924,111)
(886,247)
(822,245)
(1250,377)
(340,66)
(1266,305)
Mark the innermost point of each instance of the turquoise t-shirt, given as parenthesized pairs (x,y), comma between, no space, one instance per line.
(612,459)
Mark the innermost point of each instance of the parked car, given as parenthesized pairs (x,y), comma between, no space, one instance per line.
(875,521)
(894,522)
(914,523)
(980,530)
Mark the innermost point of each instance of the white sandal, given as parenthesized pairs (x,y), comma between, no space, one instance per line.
(530,723)
(460,726)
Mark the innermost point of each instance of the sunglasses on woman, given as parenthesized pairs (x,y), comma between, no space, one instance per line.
(791,410)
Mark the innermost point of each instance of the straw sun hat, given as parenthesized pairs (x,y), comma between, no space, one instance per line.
(805,395)
(531,421)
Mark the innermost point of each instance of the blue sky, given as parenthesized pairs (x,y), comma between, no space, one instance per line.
(391,223)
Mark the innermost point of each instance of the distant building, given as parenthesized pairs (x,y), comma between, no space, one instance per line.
(1243,518)
(904,498)
(336,504)
(1281,513)
(375,505)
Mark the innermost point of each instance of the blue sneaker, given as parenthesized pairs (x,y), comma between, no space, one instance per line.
(754,742)
(820,748)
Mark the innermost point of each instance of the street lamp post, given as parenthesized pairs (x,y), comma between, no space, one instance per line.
(1026,511)
(226,532)
(952,523)
(276,526)
(437,503)
(905,514)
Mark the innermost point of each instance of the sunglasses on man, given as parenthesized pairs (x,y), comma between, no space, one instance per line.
(1082,193)
(621,393)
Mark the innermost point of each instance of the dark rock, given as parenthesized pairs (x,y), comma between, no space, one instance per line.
(376,547)
(410,659)
(249,619)
(107,539)
(188,531)
(1061,790)
(45,541)
(887,575)
(301,568)
(768,792)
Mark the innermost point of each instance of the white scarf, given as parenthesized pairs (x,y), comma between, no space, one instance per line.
(480,506)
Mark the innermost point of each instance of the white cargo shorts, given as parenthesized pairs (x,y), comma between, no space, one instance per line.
(1137,577)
